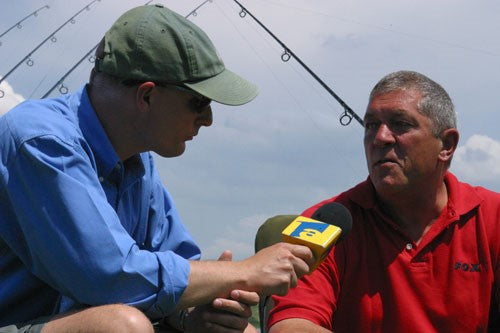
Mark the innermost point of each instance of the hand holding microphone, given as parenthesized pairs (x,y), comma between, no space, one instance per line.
(276,269)
(272,270)
(328,225)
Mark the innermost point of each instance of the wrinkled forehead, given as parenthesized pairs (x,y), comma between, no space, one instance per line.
(401,99)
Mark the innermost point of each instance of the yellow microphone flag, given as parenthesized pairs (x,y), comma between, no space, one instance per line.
(316,235)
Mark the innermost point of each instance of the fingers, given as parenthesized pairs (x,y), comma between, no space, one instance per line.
(294,280)
(304,253)
(276,269)
(247,297)
(239,304)
(210,319)
(227,255)
(300,256)
(231,306)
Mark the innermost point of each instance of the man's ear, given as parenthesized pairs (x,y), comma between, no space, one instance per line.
(449,137)
(143,95)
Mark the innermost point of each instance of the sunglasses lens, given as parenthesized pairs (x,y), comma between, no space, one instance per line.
(202,103)
(198,103)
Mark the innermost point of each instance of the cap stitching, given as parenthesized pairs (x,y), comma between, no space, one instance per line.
(139,41)
(193,63)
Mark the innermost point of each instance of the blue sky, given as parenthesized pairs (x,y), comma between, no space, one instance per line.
(286,150)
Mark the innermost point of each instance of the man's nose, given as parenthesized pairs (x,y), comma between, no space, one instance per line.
(205,118)
(384,135)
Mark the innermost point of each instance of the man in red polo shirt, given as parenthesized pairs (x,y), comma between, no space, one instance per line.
(424,251)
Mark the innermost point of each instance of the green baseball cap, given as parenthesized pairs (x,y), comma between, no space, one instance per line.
(153,43)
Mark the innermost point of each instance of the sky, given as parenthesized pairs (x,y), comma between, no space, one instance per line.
(286,150)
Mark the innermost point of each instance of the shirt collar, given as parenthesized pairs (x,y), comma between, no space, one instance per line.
(363,194)
(461,197)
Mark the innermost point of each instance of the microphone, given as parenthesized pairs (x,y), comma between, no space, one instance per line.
(326,226)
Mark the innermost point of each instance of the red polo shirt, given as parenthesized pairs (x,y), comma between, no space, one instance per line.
(378,280)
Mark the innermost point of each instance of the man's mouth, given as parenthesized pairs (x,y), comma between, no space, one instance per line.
(386,161)
(192,136)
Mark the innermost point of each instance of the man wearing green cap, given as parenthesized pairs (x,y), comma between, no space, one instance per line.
(87,229)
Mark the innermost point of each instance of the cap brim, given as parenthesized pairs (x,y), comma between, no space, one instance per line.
(226,88)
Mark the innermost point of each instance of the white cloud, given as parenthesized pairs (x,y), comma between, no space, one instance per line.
(478,161)
(10,97)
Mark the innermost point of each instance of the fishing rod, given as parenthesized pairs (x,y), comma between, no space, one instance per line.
(349,114)
(52,37)
(64,90)
(194,11)
(19,25)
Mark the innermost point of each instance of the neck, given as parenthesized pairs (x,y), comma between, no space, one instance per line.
(112,109)
(416,212)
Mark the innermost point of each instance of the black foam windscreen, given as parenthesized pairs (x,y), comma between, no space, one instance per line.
(336,214)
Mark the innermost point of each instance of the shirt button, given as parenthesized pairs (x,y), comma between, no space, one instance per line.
(101,179)
(409,246)
(117,167)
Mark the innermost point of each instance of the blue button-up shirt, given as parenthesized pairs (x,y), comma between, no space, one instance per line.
(77,225)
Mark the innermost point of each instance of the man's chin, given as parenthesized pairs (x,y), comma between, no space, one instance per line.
(387,182)
(178,151)
(389,186)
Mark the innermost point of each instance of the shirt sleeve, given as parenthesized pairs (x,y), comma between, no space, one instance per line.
(495,310)
(315,296)
(166,232)
(69,236)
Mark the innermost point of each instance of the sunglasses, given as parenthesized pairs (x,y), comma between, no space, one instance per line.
(198,103)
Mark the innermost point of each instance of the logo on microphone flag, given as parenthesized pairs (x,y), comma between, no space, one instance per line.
(316,235)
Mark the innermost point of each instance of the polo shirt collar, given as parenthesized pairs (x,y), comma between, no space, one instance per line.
(461,197)
(363,194)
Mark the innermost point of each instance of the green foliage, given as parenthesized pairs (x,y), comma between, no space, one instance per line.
(254,320)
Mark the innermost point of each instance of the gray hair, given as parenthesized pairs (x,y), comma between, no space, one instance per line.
(436,104)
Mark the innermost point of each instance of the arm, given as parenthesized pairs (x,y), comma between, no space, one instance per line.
(73,236)
(273,270)
(313,301)
(297,325)
(79,238)
(222,314)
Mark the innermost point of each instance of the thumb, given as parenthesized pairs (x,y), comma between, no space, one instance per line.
(227,255)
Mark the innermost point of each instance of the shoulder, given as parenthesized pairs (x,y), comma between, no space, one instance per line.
(486,194)
(477,201)
(464,194)
(489,206)
(35,118)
